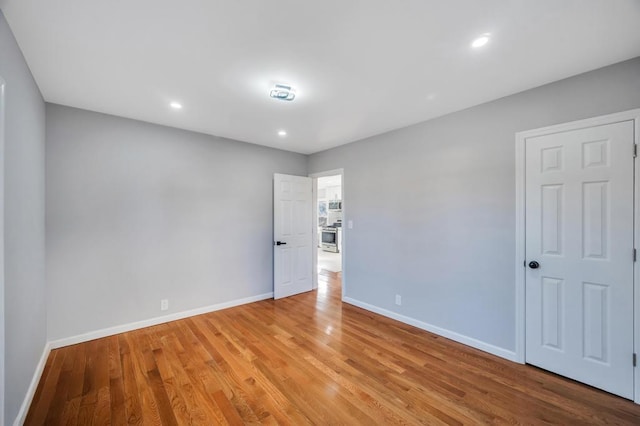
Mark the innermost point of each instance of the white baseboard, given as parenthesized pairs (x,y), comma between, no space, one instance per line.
(31,391)
(154,321)
(460,338)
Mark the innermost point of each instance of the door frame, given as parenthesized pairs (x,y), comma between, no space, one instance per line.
(314,224)
(2,303)
(520,253)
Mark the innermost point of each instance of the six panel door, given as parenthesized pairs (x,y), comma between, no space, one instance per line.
(292,256)
(579,228)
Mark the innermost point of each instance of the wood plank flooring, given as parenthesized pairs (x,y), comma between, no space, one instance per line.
(307,359)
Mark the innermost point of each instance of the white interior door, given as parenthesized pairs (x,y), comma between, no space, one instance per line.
(579,229)
(292,237)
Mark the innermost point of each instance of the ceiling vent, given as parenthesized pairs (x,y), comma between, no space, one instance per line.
(282,92)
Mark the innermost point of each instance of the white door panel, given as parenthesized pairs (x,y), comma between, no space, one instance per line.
(579,228)
(292,211)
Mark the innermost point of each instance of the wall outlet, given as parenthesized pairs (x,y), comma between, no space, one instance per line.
(164,304)
(350,224)
(398,299)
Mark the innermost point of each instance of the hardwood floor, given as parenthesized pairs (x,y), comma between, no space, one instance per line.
(307,359)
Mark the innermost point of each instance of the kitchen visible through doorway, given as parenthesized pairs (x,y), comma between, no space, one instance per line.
(329,226)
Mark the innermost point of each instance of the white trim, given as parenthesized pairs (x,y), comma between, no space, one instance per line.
(333,172)
(521,137)
(33,386)
(520,254)
(155,321)
(314,231)
(636,270)
(314,216)
(2,332)
(460,338)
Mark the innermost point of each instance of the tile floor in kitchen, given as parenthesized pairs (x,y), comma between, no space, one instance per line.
(329,261)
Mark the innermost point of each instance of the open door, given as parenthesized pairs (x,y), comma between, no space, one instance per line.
(292,237)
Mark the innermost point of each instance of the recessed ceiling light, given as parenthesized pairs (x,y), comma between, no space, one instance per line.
(282,133)
(481,41)
(175,105)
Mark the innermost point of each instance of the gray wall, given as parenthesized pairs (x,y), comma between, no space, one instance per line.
(433,204)
(25,315)
(138,212)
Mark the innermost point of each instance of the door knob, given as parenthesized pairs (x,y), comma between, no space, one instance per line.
(534,265)
(280,243)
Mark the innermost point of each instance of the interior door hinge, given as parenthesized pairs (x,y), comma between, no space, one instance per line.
(635,254)
(634,360)
(635,150)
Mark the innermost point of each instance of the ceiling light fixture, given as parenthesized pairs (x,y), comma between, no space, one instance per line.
(175,105)
(282,92)
(481,41)
(282,133)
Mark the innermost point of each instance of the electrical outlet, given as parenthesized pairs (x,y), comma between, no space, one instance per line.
(350,224)
(164,304)
(398,299)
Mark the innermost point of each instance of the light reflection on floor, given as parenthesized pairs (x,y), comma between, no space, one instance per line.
(329,285)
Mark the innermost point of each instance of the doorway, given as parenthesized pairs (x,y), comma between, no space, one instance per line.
(329,235)
(576,275)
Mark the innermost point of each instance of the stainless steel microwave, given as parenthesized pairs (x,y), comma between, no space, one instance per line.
(335,205)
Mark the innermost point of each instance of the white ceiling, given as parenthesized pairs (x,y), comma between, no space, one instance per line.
(360,67)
